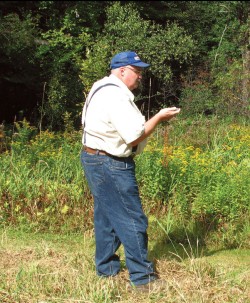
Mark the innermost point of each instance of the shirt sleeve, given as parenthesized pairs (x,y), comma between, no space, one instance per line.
(125,116)
(141,146)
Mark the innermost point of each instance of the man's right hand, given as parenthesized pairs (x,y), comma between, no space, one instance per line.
(168,113)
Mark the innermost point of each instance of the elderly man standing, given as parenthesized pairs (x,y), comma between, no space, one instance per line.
(115,130)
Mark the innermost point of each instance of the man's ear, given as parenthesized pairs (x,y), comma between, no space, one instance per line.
(122,70)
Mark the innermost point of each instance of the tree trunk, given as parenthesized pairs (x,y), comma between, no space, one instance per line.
(246,67)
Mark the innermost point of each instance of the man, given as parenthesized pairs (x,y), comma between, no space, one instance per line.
(114,130)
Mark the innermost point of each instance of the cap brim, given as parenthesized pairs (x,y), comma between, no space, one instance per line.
(141,64)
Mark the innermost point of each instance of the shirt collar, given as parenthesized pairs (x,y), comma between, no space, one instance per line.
(113,79)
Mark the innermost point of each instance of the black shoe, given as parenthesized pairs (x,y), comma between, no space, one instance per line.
(153,286)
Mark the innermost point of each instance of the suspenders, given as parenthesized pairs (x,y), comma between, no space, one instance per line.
(87,104)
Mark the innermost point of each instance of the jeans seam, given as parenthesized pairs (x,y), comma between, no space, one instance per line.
(138,242)
(132,220)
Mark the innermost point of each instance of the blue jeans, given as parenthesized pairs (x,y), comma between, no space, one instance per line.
(118,217)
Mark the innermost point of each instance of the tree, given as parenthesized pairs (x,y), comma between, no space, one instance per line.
(41,44)
(52,51)
(19,69)
(60,55)
(231,64)
(126,30)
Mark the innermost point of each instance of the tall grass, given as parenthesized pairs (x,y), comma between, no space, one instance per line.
(199,172)
(42,184)
(193,177)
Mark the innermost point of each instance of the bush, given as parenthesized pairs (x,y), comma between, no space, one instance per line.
(194,173)
(198,99)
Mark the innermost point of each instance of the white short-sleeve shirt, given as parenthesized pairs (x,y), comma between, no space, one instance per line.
(111,119)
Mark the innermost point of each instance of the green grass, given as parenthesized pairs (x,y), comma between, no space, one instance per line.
(45,267)
(194,183)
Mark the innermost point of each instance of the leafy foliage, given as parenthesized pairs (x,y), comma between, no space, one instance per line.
(198,99)
(228,84)
(19,69)
(52,52)
(126,30)
(198,172)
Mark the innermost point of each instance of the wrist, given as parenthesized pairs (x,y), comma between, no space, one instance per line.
(159,118)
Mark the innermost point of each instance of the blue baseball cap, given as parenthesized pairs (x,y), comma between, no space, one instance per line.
(127,58)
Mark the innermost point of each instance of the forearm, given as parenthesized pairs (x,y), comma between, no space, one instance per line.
(164,114)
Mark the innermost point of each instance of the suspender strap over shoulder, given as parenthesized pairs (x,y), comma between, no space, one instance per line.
(87,104)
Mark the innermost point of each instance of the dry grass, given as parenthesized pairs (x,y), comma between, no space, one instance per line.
(46,269)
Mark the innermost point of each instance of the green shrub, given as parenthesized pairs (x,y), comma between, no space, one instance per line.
(196,177)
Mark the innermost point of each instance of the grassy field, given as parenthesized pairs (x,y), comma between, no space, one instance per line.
(46,268)
(194,183)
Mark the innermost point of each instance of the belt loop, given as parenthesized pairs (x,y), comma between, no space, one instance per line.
(97,152)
